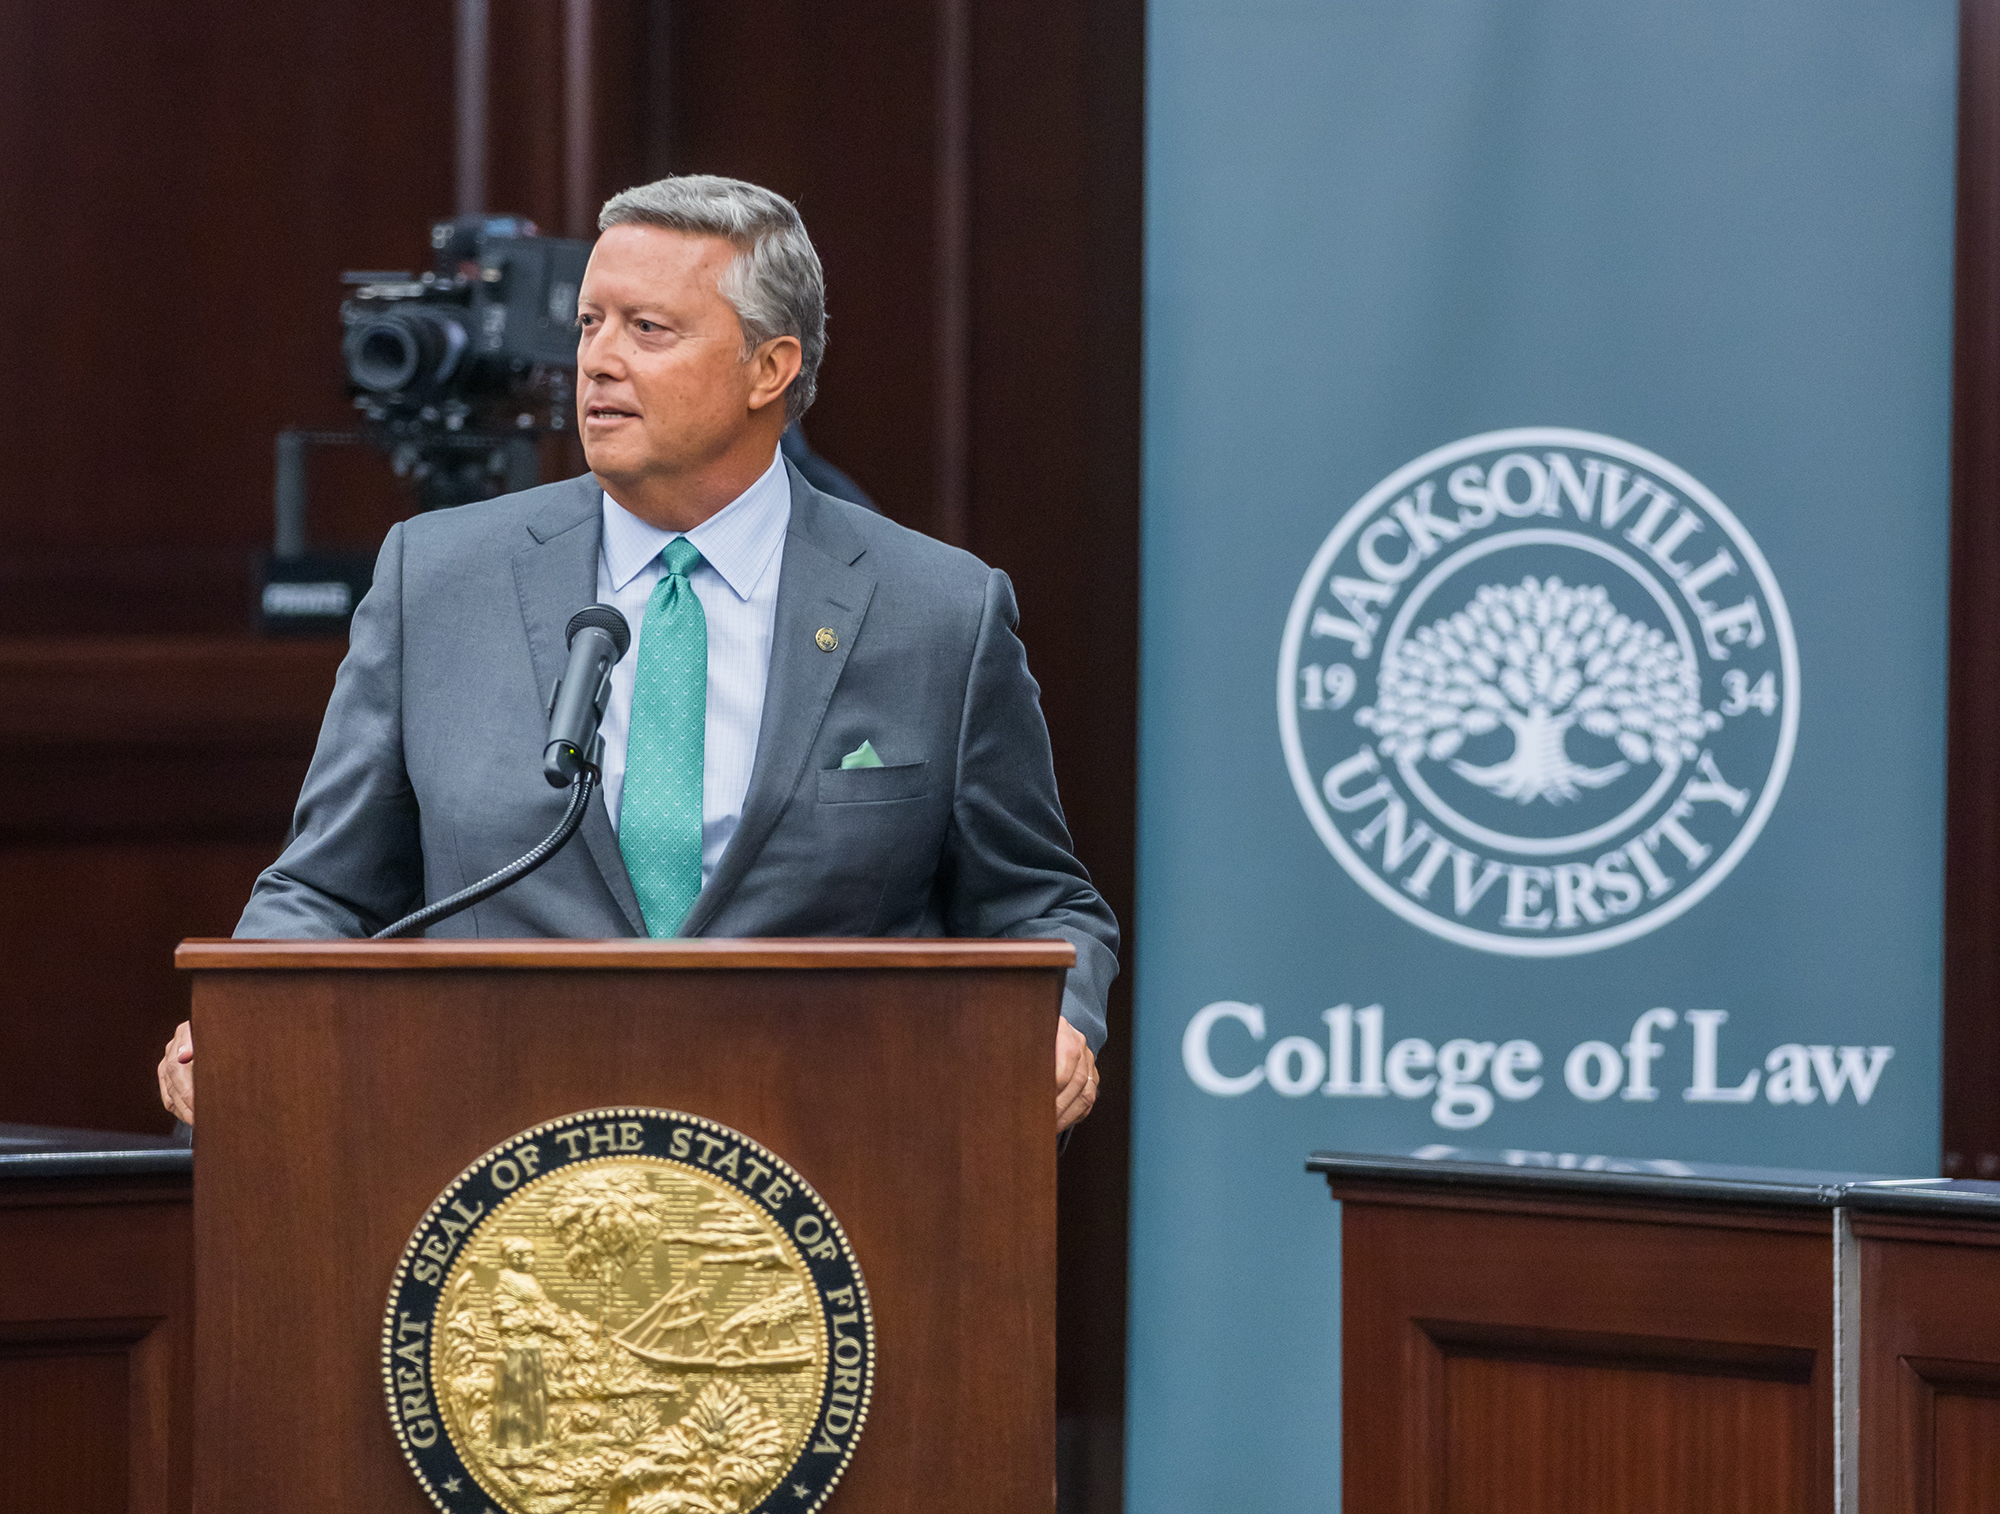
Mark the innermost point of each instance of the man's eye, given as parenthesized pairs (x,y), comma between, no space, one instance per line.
(646,326)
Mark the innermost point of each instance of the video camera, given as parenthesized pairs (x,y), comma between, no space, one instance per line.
(458,372)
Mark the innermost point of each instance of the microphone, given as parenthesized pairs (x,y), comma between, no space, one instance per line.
(598,637)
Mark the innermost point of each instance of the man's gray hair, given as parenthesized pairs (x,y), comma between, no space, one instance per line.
(774,282)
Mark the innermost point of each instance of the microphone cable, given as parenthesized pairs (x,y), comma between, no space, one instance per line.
(513,872)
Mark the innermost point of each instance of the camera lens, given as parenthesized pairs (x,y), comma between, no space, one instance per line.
(409,349)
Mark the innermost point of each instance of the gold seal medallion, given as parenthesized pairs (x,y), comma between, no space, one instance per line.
(628,1311)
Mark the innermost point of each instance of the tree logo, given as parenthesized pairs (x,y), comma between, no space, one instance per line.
(1538,692)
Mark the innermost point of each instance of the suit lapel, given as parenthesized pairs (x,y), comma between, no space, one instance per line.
(818,588)
(556,575)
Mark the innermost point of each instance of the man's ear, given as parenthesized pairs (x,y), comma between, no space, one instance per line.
(773,367)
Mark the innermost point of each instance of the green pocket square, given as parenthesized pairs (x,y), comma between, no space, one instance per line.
(862,756)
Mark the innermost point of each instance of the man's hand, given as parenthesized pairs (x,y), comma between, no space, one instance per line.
(177,1074)
(1076,1075)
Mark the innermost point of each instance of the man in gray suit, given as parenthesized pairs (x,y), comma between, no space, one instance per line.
(825,726)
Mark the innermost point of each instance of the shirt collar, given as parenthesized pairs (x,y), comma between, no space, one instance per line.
(737,541)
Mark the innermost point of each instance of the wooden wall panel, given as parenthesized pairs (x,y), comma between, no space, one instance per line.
(195,738)
(183,183)
(1971,1060)
(836,108)
(144,782)
(96,1304)
(65,1407)
(94,927)
(1966,1451)
(1929,1366)
(1595,1357)
(1526,1437)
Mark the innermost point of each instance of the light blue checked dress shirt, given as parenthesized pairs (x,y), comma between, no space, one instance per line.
(737,584)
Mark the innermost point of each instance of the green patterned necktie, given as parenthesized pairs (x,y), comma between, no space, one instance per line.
(659,826)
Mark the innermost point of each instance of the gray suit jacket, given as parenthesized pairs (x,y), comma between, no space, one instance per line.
(428,773)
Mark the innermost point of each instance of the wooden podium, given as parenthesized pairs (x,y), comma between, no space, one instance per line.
(344,1085)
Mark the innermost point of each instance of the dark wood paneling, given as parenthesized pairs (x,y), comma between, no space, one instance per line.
(916,1103)
(95,1346)
(1966,1448)
(1054,265)
(1929,1367)
(132,691)
(69,1398)
(89,933)
(531,143)
(183,186)
(1536,1355)
(144,782)
(525,137)
(184,182)
(1638,1441)
(1971,1062)
(197,738)
(836,107)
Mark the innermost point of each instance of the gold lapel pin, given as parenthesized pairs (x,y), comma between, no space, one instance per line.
(826,639)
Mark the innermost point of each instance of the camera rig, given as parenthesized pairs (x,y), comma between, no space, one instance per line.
(457,374)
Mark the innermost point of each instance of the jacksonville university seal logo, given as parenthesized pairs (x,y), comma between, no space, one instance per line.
(628,1311)
(1538,692)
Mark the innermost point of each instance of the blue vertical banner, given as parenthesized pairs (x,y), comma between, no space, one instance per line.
(1546,402)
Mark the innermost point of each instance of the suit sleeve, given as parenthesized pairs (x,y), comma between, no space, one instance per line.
(355,860)
(1009,869)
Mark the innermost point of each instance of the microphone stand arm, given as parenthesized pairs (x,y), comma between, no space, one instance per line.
(579,801)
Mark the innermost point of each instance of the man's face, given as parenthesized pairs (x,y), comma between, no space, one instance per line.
(661,387)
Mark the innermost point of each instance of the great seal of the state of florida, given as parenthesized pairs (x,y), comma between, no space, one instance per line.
(628,1311)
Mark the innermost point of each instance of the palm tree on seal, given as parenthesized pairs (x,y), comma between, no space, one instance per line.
(605,1220)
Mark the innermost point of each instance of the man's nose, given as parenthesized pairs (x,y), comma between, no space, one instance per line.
(598,356)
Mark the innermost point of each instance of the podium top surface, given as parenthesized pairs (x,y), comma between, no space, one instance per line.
(1364,1174)
(629,955)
